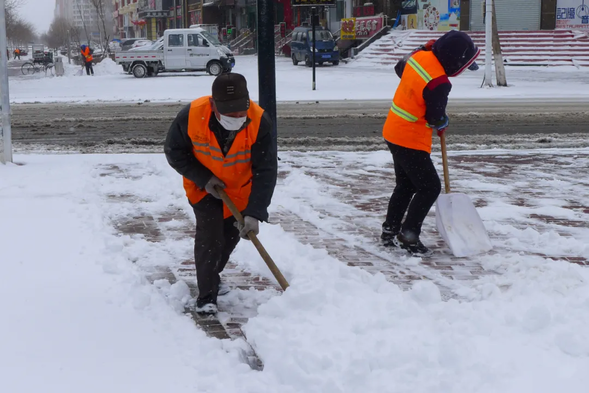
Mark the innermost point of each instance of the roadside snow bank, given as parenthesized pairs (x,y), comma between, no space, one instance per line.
(108,67)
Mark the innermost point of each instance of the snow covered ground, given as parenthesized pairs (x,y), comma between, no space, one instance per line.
(343,82)
(79,314)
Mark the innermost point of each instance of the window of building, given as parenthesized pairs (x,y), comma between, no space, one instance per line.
(340,10)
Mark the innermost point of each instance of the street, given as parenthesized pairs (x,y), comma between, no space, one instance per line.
(341,125)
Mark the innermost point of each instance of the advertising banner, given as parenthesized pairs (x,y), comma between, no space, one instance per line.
(572,14)
(434,15)
(348,29)
(361,28)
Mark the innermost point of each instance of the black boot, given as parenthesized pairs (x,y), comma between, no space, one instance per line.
(409,241)
(206,305)
(389,235)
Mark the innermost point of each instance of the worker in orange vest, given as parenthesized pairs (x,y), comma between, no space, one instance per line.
(86,52)
(17,53)
(418,108)
(224,140)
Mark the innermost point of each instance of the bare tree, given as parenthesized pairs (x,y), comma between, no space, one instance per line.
(58,33)
(104,18)
(23,33)
(79,5)
(18,32)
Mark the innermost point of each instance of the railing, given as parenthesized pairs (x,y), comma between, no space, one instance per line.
(244,41)
(240,38)
(281,43)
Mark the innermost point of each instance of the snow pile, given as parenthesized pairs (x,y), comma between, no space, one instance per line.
(84,309)
(108,67)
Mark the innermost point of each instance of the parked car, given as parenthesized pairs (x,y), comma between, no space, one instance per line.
(178,50)
(128,43)
(142,44)
(301,46)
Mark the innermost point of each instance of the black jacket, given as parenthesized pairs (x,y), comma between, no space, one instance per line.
(178,149)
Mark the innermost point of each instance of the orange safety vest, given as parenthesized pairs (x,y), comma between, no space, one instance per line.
(406,125)
(87,55)
(234,169)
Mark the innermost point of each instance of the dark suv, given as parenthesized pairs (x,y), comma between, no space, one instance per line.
(301,46)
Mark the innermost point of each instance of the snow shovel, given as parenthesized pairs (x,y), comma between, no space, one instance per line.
(457,220)
(252,236)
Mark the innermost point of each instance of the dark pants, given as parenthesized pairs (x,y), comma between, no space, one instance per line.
(89,68)
(418,187)
(214,241)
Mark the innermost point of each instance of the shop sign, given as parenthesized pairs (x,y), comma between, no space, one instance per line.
(360,28)
(572,14)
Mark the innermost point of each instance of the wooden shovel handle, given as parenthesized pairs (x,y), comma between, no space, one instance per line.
(252,236)
(445,163)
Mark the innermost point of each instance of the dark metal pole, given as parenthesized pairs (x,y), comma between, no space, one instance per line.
(266,61)
(175,15)
(313,18)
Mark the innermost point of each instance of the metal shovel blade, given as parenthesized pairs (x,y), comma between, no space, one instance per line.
(460,225)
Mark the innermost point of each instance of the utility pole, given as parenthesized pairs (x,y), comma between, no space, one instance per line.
(175,14)
(488,44)
(499,66)
(5,135)
(266,60)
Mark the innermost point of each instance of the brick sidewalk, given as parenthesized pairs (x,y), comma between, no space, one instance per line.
(507,178)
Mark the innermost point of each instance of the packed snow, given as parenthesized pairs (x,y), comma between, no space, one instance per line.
(79,312)
(342,82)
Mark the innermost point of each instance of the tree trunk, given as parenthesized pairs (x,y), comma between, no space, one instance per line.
(499,66)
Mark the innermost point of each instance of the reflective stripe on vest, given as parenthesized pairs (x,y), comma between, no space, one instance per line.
(426,77)
(406,125)
(403,113)
(419,69)
(198,149)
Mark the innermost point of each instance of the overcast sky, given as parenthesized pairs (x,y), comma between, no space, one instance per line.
(39,13)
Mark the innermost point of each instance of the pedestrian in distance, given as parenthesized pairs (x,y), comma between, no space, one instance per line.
(418,109)
(224,140)
(17,53)
(87,58)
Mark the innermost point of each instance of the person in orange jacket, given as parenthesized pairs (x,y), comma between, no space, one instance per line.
(418,109)
(17,53)
(224,140)
(87,57)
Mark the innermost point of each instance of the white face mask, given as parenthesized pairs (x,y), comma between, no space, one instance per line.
(232,123)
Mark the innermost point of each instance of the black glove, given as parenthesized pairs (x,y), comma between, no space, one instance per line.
(210,186)
(250,224)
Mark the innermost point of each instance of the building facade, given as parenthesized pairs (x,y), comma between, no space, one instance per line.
(512,15)
(82,14)
(126,21)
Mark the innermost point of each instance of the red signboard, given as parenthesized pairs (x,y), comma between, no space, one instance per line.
(368,26)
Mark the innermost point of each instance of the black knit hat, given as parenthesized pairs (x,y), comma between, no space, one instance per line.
(230,93)
(455,51)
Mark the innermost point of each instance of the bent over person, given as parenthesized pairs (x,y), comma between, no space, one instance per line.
(418,108)
(224,140)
